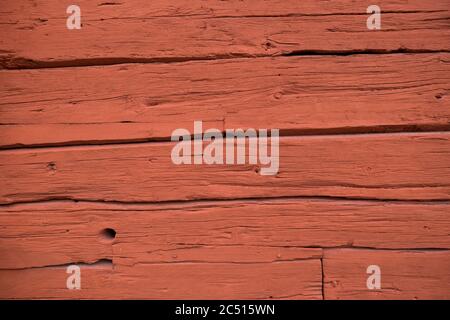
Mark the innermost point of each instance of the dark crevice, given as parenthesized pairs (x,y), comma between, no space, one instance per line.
(205,16)
(323,278)
(101,263)
(17,63)
(109,4)
(21,63)
(379,248)
(217,201)
(299,15)
(360,52)
(342,131)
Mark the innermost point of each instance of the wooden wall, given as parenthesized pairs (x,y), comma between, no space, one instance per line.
(86,118)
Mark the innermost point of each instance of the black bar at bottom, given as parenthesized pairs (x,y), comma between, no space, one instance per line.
(226,309)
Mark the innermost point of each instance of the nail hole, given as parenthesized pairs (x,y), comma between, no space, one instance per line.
(438,96)
(269,45)
(51,166)
(108,234)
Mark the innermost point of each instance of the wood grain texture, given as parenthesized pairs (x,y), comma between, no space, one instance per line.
(213,232)
(404,274)
(176,30)
(300,95)
(280,280)
(29,10)
(248,249)
(401,166)
(86,118)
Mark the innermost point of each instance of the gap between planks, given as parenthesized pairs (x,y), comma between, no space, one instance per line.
(300,134)
(211,202)
(28,64)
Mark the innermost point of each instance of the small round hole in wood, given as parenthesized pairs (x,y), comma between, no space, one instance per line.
(108,234)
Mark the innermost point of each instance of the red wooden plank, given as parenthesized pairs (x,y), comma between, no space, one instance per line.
(404,274)
(34,34)
(301,95)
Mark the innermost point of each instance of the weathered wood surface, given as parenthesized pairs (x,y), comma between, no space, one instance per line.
(384,166)
(29,10)
(277,280)
(364,173)
(231,231)
(404,274)
(160,251)
(176,30)
(367,93)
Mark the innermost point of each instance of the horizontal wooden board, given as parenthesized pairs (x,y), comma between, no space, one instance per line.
(404,274)
(382,166)
(59,233)
(85,162)
(278,280)
(302,95)
(115,9)
(34,33)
